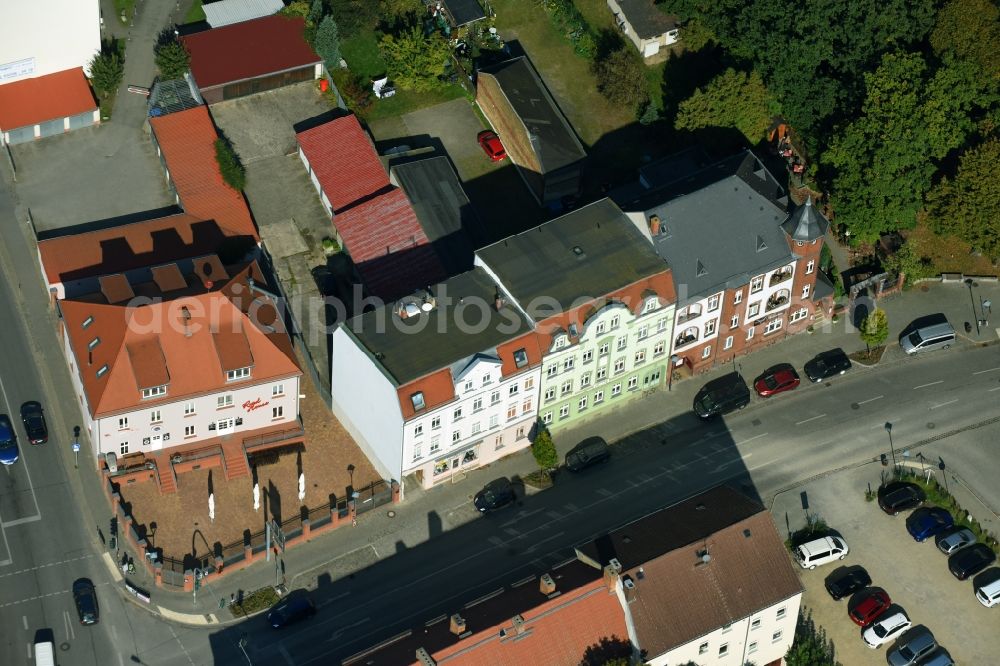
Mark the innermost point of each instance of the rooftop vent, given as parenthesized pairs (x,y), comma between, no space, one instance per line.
(703,557)
(747,533)
(411,306)
(518,621)
(629,588)
(457,624)
(761,245)
(577,250)
(546,585)
(654,225)
(701,270)
(700,507)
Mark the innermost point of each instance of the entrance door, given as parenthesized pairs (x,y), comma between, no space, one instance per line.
(156,442)
(225,426)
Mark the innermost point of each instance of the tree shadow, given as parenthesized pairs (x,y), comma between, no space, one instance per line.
(607,649)
(686,72)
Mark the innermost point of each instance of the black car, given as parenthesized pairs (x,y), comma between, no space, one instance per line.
(85,598)
(827,364)
(590,451)
(900,496)
(721,396)
(495,495)
(292,609)
(846,581)
(970,561)
(33,419)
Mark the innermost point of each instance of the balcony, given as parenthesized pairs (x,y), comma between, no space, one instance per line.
(778,277)
(689,313)
(777,300)
(688,336)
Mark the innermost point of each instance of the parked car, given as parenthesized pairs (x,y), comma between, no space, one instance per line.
(988,587)
(821,551)
(776,379)
(721,396)
(590,451)
(954,538)
(927,334)
(938,657)
(33,418)
(899,496)
(885,629)
(847,581)
(915,644)
(827,364)
(970,561)
(869,605)
(8,441)
(85,598)
(927,521)
(290,610)
(495,495)
(491,145)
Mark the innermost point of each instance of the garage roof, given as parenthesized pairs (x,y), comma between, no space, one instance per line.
(248,50)
(227,12)
(42,98)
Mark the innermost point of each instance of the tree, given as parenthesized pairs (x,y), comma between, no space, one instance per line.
(327,43)
(107,68)
(621,78)
(415,60)
(968,205)
(732,99)
(544,450)
(230,166)
(172,59)
(608,651)
(907,261)
(355,16)
(970,30)
(874,329)
(811,646)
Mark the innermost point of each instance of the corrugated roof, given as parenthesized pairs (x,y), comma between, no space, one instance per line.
(33,101)
(226,12)
(248,50)
(646,19)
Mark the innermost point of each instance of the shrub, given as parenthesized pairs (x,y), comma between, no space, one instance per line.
(230,166)
(569,21)
(172,59)
(621,79)
(544,450)
(107,68)
(356,94)
(327,43)
(257,600)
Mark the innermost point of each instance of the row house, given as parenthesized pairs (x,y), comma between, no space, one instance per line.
(746,268)
(439,382)
(602,304)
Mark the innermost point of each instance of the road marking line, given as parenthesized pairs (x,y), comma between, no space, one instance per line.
(747,441)
(521,516)
(21,521)
(950,402)
(994,389)
(176,638)
(812,419)
(29,649)
(284,653)
(940,381)
(865,402)
(983,372)
(25,619)
(42,566)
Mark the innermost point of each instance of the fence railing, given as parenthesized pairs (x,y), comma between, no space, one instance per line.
(272,437)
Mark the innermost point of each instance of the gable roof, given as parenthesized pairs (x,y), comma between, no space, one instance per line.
(646,19)
(249,49)
(806,223)
(735,199)
(122,349)
(552,138)
(187,142)
(35,100)
(588,253)
(225,12)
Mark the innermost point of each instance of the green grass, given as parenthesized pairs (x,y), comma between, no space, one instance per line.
(195,14)
(405,101)
(362,55)
(938,496)
(126,7)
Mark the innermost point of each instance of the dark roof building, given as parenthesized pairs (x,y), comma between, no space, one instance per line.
(464,12)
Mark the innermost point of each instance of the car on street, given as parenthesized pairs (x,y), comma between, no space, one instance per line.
(8,441)
(900,496)
(776,379)
(290,610)
(911,647)
(721,396)
(868,606)
(827,364)
(846,581)
(970,561)
(591,451)
(491,145)
(885,629)
(821,551)
(954,538)
(33,418)
(85,598)
(927,521)
(496,494)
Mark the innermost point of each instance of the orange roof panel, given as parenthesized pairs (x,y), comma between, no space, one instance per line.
(42,98)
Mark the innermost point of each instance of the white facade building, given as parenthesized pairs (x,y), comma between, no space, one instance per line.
(47,36)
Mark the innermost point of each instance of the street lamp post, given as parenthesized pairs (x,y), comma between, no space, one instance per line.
(972,298)
(888,429)
(670,377)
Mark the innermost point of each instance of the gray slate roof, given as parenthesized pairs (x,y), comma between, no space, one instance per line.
(806,223)
(646,19)
(551,135)
(416,346)
(588,253)
(720,226)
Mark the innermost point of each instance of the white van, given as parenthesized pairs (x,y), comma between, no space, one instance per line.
(45,654)
(821,551)
(940,335)
(989,594)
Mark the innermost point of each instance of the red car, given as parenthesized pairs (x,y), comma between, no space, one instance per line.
(490,143)
(867,609)
(776,379)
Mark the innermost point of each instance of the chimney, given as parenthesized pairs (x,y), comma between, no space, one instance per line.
(519,627)
(654,225)
(186,316)
(629,587)
(424,658)
(457,625)
(703,557)
(611,574)
(498,302)
(546,584)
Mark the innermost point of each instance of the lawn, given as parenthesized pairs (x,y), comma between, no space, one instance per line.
(948,254)
(405,101)
(362,56)
(126,7)
(195,13)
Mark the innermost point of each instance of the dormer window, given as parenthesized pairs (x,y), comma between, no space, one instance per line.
(154,392)
(650,305)
(520,357)
(418,401)
(237,374)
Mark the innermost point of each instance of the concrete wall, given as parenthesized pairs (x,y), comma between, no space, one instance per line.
(45,36)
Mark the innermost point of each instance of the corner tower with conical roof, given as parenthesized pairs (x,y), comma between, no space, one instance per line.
(805,230)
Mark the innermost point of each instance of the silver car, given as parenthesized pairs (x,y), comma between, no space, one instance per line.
(911,646)
(953,540)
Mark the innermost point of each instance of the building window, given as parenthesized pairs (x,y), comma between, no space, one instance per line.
(599,397)
(279,411)
(154,416)
(520,432)
(550,393)
(588,356)
(487,378)
(567,387)
(643,332)
(756,284)
(418,430)
(189,431)
(560,342)
(529,383)
(724,649)
(495,397)
(710,327)
(582,405)
(659,347)
(729,342)
(753,310)
(494,421)
(457,414)
(780,614)
(513,388)
(735,321)
(417,399)
(662,324)
(738,297)
(602,374)
(436,423)
(123,448)
(703,648)
(713,303)
(600,329)
(520,358)
(616,389)
(706,352)
(640,356)
(776,636)
(614,321)
(568,363)
(797,315)
(619,365)
(277,389)
(526,406)
(622,343)
(511,412)
(755,624)
(468,386)
(752,647)
(726,628)
(805,290)
(477,404)
(238,373)
(564,411)
(416,452)
(604,349)
(154,392)
(435,444)
(650,305)
(750,332)
(123,423)
(188,408)
(224,401)
(810,266)
(585,380)
(772,326)
(476,428)
(633,383)
(455,436)
(552,370)
(547,418)
(498,443)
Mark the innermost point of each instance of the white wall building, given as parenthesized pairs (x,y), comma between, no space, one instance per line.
(47,36)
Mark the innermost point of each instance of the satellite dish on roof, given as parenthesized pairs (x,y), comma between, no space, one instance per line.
(427,306)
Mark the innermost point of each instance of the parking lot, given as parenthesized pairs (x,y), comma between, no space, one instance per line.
(914,574)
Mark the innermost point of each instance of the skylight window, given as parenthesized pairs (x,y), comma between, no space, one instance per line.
(87,322)
(103,370)
(418,401)
(93,343)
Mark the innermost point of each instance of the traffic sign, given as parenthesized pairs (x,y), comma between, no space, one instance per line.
(76,447)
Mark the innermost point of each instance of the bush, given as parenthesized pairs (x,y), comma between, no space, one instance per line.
(257,600)
(569,21)
(107,68)
(939,496)
(172,59)
(815,527)
(230,166)
(356,94)
(622,79)
(544,450)
(811,646)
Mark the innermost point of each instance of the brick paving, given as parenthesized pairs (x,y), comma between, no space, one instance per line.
(182,522)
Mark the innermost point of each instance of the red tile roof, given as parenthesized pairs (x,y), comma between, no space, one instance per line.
(344,161)
(42,98)
(187,140)
(249,49)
